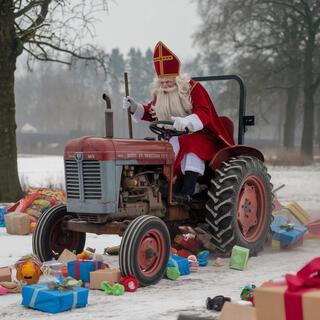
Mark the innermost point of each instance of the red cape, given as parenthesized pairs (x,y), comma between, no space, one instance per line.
(204,143)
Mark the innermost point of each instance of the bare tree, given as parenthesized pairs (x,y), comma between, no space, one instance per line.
(286,30)
(48,30)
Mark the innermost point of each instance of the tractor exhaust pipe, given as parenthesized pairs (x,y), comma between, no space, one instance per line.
(108,117)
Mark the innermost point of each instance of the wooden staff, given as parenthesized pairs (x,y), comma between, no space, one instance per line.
(126,84)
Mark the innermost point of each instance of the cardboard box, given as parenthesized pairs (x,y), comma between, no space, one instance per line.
(111,275)
(270,303)
(17,223)
(66,256)
(239,258)
(5,274)
(233,311)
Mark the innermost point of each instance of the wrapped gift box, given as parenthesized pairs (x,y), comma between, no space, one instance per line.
(233,311)
(17,223)
(239,258)
(285,232)
(5,274)
(298,298)
(39,297)
(109,274)
(80,269)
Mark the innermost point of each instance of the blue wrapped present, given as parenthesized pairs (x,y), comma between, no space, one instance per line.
(80,269)
(40,297)
(181,263)
(286,232)
(3,211)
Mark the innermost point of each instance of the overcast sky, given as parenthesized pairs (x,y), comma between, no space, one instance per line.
(142,23)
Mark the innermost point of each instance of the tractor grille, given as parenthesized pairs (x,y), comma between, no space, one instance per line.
(83,179)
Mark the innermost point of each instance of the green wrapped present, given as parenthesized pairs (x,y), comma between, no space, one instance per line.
(239,258)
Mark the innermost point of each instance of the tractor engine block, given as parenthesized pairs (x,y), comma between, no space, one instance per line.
(139,192)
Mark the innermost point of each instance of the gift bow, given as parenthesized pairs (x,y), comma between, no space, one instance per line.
(65,285)
(306,278)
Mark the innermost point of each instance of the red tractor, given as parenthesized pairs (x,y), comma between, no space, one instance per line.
(124,187)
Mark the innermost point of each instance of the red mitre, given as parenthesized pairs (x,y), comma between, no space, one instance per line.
(166,63)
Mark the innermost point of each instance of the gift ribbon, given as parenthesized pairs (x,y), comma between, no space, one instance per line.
(306,279)
(77,273)
(38,289)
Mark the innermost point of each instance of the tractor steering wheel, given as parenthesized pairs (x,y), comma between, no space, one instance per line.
(165,133)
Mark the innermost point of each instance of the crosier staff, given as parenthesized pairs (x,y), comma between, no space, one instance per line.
(126,84)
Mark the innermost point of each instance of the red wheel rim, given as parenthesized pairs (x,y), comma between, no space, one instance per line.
(151,252)
(60,239)
(252,208)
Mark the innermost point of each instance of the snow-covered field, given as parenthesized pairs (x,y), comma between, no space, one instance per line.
(168,299)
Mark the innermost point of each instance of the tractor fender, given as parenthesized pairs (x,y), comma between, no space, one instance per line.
(234,151)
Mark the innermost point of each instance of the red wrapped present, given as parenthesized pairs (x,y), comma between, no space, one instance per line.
(299,299)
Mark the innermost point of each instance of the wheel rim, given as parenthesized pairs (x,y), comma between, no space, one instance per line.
(60,239)
(251,208)
(151,252)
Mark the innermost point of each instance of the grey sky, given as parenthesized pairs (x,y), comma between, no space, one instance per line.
(142,23)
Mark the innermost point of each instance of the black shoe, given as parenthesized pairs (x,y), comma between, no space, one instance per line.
(181,198)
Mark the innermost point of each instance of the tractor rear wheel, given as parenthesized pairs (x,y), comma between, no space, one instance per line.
(144,250)
(50,239)
(240,205)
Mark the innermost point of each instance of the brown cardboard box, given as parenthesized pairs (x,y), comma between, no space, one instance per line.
(17,223)
(96,277)
(5,274)
(233,311)
(269,302)
(66,256)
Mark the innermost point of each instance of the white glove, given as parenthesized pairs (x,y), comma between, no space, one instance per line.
(180,124)
(129,102)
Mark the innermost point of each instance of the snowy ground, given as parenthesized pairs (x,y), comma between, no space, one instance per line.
(168,299)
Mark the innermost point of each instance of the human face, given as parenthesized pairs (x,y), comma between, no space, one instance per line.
(167,83)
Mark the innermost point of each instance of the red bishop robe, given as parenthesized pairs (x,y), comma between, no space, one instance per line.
(206,142)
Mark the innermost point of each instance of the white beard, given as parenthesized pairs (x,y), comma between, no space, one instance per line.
(171,103)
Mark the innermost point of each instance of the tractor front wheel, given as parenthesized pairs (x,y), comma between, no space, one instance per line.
(49,237)
(240,205)
(144,250)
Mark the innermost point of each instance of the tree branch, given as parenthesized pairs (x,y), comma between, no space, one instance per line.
(29,32)
(27,8)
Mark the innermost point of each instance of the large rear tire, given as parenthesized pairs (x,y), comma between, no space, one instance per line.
(145,249)
(239,209)
(50,239)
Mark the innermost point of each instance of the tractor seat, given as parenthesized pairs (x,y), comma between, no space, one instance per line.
(228,124)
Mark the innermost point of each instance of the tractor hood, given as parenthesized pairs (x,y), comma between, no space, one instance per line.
(94,148)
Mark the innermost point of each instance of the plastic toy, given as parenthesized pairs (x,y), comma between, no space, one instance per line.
(117,289)
(247,293)
(216,303)
(28,269)
(193,263)
(130,283)
(203,258)
(3,291)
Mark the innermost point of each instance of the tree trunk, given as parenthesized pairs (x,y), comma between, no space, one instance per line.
(290,122)
(308,121)
(10,189)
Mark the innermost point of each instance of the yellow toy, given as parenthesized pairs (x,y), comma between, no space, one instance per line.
(28,269)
